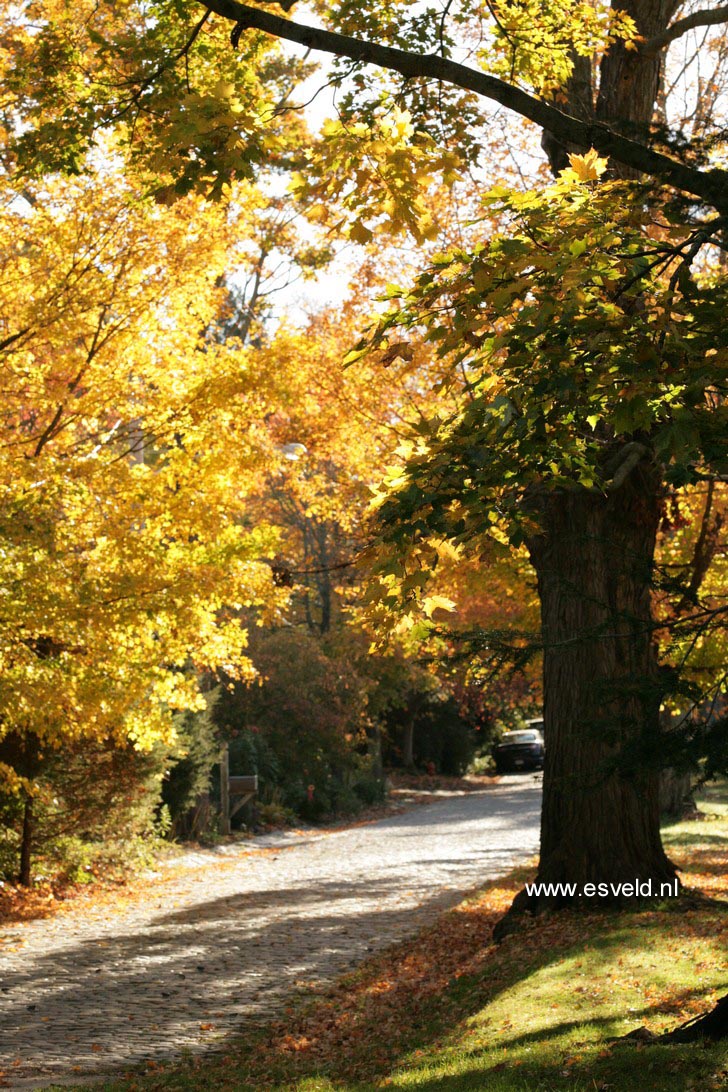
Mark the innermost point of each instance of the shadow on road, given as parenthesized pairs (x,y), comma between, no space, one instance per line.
(191,977)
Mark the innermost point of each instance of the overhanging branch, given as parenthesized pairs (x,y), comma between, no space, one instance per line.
(709,18)
(710,186)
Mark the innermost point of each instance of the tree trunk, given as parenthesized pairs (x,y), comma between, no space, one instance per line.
(225,789)
(23,754)
(26,843)
(676,796)
(408,743)
(600,821)
(629,79)
(375,750)
(711,1025)
(593,558)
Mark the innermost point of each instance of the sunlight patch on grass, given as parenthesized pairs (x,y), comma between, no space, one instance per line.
(554,1026)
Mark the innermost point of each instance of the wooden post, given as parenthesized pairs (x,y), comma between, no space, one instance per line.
(224,790)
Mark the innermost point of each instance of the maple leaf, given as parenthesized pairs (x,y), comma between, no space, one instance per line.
(588,167)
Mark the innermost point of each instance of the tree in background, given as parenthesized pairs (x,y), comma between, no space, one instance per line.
(331,439)
(135,551)
(95,812)
(188,776)
(308,719)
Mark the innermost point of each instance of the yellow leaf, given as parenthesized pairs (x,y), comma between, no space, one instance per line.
(437,602)
(223,89)
(589,167)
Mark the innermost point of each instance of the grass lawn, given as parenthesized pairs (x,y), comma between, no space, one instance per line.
(449,1011)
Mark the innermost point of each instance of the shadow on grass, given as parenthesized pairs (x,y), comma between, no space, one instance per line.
(555,1031)
(626,1068)
(687,838)
(424,993)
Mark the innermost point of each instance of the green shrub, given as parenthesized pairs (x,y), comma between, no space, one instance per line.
(370,789)
(444,736)
(274,814)
(11,819)
(303,727)
(188,778)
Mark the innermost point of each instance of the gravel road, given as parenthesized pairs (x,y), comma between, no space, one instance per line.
(221,937)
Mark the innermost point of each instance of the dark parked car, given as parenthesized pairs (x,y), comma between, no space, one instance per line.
(520,750)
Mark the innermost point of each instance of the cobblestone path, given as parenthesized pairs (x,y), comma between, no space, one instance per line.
(224,936)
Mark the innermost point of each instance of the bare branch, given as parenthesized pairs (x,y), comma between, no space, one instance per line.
(12,338)
(49,430)
(709,18)
(705,548)
(711,186)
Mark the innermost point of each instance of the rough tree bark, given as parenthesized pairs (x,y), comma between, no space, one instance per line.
(593,558)
(600,822)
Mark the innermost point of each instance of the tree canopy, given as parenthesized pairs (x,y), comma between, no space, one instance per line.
(558,348)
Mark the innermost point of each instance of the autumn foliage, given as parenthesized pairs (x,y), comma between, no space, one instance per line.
(536,404)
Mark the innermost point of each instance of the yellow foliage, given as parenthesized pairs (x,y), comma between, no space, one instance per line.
(537,41)
(129,444)
(393,167)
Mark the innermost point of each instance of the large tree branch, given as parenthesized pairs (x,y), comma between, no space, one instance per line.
(709,18)
(711,186)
